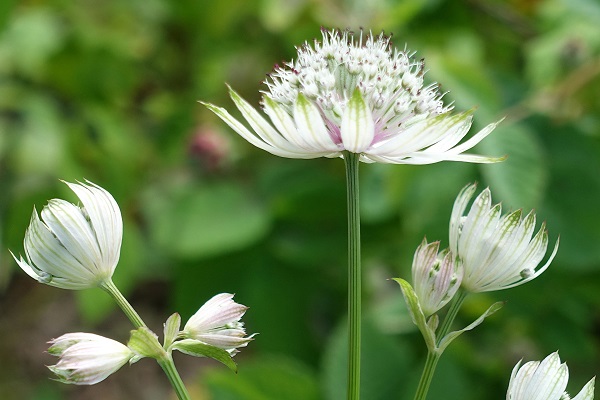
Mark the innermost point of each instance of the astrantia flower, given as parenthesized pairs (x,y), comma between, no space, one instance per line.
(74,247)
(217,323)
(545,380)
(356,94)
(86,358)
(497,251)
(436,277)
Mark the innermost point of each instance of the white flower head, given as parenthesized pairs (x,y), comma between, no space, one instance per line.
(86,358)
(217,323)
(356,93)
(545,380)
(497,251)
(436,276)
(71,246)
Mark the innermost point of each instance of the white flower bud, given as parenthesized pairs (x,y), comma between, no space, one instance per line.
(436,276)
(86,358)
(217,323)
(74,247)
(545,380)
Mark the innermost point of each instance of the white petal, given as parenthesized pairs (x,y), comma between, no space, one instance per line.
(311,127)
(105,219)
(587,393)
(74,232)
(261,126)
(357,128)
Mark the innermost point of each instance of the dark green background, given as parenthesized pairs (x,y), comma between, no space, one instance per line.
(108,91)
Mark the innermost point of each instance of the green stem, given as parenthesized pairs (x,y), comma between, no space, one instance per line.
(165,362)
(169,367)
(433,356)
(116,294)
(351,161)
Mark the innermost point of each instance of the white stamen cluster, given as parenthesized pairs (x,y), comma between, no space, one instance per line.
(390,81)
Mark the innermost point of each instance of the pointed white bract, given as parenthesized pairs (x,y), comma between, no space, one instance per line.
(496,251)
(545,380)
(357,94)
(74,247)
(217,323)
(86,358)
(436,276)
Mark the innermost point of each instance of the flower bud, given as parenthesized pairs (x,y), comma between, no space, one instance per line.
(74,247)
(436,276)
(86,358)
(545,380)
(217,323)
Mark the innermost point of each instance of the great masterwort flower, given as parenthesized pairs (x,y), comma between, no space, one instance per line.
(356,94)
(74,247)
(217,323)
(436,276)
(497,251)
(86,358)
(545,380)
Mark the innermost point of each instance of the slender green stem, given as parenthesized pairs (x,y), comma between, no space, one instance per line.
(354,275)
(165,362)
(116,294)
(432,356)
(169,367)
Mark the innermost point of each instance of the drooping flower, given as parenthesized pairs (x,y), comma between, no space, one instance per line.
(436,276)
(357,94)
(217,323)
(74,247)
(86,358)
(545,380)
(497,251)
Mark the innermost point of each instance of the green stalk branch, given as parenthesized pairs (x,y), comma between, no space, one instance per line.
(433,357)
(166,362)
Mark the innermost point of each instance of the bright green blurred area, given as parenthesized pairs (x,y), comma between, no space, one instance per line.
(107,91)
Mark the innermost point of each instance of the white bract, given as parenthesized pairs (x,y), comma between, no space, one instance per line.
(86,358)
(74,247)
(436,277)
(217,323)
(497,251)
(356,94)
(545,380)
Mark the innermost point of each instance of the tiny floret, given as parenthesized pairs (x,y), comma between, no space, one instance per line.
(545,380)
(356,93)
(496,251)
(217,323)
(436,276)
(86,358)
(74,246)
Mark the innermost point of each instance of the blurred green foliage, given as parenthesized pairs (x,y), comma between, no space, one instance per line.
(107,91)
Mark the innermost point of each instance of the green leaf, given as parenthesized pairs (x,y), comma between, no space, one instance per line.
(387,364)
(267,378)
(416,313)
(145,343)
(191,221)
(171,329)
(446,340)
(520,181)
(198,349)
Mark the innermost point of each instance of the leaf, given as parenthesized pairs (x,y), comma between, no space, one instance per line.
(519,181)
(198,349)
(266,378)
(386,363)
(171,329)
(416,313)
(446,340)
(191,221)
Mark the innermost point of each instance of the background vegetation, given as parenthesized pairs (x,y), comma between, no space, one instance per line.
(108,91)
